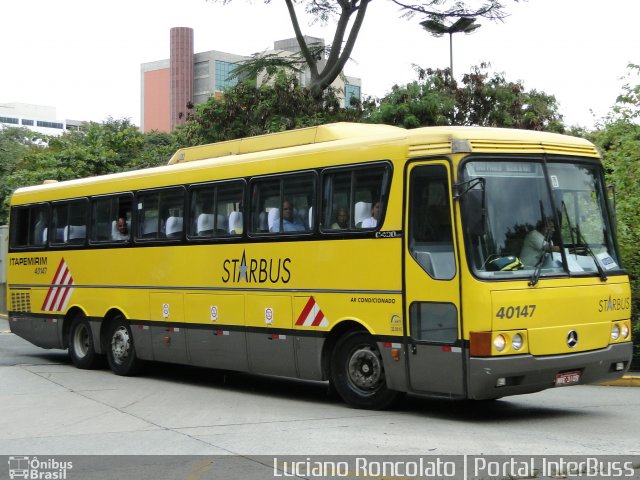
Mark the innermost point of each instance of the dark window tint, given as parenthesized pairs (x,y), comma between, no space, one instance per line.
(69,223)
(29,226)
(353,199)
(111,218)
(160,214)
(283,204)
(216,210)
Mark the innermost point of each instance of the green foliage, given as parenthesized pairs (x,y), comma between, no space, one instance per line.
(480,99)
(94,149)
(618,139)
(248,110)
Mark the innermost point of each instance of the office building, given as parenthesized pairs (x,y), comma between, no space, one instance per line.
(38,118)
(169,85)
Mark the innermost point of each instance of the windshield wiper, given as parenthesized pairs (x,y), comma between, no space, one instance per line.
(581,239)
(538,271)
(535,277)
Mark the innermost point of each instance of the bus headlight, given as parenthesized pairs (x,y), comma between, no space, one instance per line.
(499,343)
(624,331)
(615,332)
(516,341)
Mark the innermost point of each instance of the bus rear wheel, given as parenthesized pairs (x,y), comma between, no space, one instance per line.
(81,348)
(121,352)
(357,372)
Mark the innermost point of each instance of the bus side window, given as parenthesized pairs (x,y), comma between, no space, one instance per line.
(29,226)
(69,222)
(216,210)
(350,195)
(281,205)
(105,212)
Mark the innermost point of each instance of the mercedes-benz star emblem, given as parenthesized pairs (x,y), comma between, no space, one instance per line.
(572,338)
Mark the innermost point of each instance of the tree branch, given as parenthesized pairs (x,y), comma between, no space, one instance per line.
(338,59)
(493,10)
(304,48)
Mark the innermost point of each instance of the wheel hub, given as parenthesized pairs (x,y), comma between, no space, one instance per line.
(365,368)
(120,343)
(81,343)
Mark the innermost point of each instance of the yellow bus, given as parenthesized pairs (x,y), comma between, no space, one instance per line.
(448,262)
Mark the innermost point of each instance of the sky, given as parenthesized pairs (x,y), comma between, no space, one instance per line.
(83,56)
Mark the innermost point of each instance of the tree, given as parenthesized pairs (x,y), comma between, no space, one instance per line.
(618,139)
(325,65)
(248,109)
(94,149)
(15,145)
(481,98)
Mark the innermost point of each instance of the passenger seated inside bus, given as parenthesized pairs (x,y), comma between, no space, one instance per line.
(120,229)
(342,219)
(291,222)
(372,221)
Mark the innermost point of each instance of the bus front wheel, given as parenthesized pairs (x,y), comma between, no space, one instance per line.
(121,352)
(357,372)
(81,349)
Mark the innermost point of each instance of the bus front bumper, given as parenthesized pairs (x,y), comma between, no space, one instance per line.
(502,376)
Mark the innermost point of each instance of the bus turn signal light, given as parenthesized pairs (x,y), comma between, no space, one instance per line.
(480,344)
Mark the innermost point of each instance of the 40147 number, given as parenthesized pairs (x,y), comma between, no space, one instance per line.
(519,311)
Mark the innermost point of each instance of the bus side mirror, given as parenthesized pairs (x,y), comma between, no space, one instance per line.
(473,212)
(472,194)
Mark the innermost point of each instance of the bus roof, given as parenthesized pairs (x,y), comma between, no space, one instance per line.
(458,139)
(415,143)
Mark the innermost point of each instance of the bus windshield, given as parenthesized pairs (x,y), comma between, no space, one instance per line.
(522,218)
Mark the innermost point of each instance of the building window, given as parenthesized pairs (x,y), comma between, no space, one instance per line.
(9,120)
(223,72)
(27,122)
(351,91)
(41,123)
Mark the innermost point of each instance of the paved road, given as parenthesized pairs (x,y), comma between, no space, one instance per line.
(47,407)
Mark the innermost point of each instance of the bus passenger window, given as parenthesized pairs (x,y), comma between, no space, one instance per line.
(353,198)
(29,226)
(216,210)
(111,218)
(69,222)
(283,205)
(160,214)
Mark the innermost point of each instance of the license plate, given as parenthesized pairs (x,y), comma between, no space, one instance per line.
(567,378)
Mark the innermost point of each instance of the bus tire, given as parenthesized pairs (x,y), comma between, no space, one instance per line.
(81,348)
(357,372)
(121,352)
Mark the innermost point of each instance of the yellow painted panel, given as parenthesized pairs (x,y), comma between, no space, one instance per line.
(560,305)
(214,309)
(553,340)
(168,307)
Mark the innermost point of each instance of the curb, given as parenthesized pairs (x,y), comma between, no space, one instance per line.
(632,380)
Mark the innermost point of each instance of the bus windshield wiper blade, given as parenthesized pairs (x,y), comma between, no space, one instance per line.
(536,273)
(581,239)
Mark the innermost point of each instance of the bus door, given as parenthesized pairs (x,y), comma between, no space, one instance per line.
(434,351)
